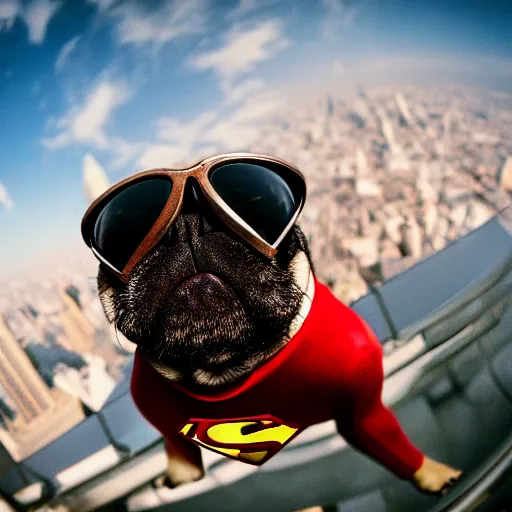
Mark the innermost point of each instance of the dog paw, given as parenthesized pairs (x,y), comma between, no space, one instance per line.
(435,478)
(162,482)
(178,472)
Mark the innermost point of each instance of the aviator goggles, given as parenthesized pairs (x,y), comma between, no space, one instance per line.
(258,197)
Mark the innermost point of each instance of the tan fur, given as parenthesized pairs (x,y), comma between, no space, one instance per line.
(181,471)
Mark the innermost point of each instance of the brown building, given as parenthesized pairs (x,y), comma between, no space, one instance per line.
(79,332)
(43,413)
(20,379)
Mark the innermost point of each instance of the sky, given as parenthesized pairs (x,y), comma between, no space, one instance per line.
(140,84)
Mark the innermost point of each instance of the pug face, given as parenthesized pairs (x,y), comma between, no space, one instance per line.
(203,306)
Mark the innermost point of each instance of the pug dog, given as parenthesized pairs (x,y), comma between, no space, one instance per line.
(209,313)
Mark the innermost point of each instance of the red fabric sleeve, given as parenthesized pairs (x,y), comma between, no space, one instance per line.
(372,427)
(148,390)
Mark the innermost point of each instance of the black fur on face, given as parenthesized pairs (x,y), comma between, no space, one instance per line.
(209,330)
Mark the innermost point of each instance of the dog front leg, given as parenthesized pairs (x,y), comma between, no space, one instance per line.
(184,462)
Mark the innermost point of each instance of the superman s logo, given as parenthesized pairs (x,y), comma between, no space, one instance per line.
(252,440)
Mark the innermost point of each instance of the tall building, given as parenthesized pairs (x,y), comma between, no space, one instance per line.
(74,293)
(447,130)
(506,175)
(5,412)
(95,179)
(41,414)
(403,109)
(80,334)
(329,106)
(24,386)
(387,130)
(18,323)
(362,167)
(359,113)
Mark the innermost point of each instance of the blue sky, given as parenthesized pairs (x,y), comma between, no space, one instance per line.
(141,84)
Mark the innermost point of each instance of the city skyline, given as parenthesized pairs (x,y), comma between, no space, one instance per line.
(139,87)
(59,360)
(394,174)
(399,115)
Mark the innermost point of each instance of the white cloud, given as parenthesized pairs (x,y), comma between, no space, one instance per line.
(239,118)
(180,140)
(37,16)
(59,141)
(243,89)
(242,50)
(339,16)
(227,130)
(87,124)
(5,198)
(163,155)
(256,109)
(9,10)
(185,134)
(137,25)
(65,52)
(179,143)
(243,126)
(228,135)
(123,152)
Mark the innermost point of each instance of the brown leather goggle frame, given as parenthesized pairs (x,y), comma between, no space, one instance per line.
(173,205)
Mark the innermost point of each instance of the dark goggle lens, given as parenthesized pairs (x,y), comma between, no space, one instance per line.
(265,198)
(127,219)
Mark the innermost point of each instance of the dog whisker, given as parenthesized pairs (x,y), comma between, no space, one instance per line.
(221,358)
(168,373)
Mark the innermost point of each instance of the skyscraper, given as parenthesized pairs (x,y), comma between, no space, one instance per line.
(23,384)
(95,179)
(329,106)
(387,129)
(506,175)
(362,167)
(79,332)
(447,130)
(403,109)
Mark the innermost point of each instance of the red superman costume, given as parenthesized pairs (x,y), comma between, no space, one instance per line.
(330,369)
